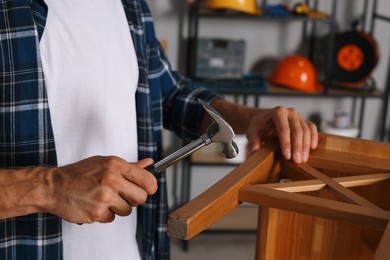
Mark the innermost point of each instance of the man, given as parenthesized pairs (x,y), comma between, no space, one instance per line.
(86,89)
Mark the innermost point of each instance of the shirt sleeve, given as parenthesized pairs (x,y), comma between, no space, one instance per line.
(182,112)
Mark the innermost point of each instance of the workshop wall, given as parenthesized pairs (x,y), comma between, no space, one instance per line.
(272,40)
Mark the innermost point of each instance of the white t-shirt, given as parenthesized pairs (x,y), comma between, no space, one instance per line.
(91,75)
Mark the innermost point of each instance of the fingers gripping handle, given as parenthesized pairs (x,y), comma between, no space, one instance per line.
(152,169)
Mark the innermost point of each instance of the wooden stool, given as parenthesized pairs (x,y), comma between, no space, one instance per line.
(335,206)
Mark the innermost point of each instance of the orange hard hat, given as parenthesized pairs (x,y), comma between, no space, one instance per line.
(246,6)
(296,72)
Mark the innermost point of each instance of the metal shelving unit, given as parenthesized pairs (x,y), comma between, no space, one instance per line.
(375,17)
(196,13)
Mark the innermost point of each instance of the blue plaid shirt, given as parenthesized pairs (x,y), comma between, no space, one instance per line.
(26,136)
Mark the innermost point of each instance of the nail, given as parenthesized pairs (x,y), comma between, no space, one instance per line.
(287,154)
(305,156)
(298,157)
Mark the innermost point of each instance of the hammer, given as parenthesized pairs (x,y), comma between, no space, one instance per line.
(218,132)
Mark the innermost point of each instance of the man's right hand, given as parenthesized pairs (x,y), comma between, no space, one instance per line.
(98,188)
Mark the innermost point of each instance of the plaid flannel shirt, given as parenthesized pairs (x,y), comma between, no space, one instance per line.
(26,137)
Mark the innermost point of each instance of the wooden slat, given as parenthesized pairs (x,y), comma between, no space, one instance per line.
(291,235)
(383,250)
(354,146)
(361,215)
(314,185)
(263,232)
(346,194)
(347,162)
(222,197)
(350,155)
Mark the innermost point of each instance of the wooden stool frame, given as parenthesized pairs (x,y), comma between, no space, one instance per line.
(335,206)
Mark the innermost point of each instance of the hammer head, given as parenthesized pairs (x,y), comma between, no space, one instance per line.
(221,132)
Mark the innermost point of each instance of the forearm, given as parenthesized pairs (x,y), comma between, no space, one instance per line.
(24,191)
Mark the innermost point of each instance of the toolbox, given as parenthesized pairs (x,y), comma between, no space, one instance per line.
(219,58)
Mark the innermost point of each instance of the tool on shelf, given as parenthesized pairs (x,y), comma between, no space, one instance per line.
(355,58)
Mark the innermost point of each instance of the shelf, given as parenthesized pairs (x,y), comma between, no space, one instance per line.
(272,90)
(202,157)
(331,92)
(236,15)
(214,161)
